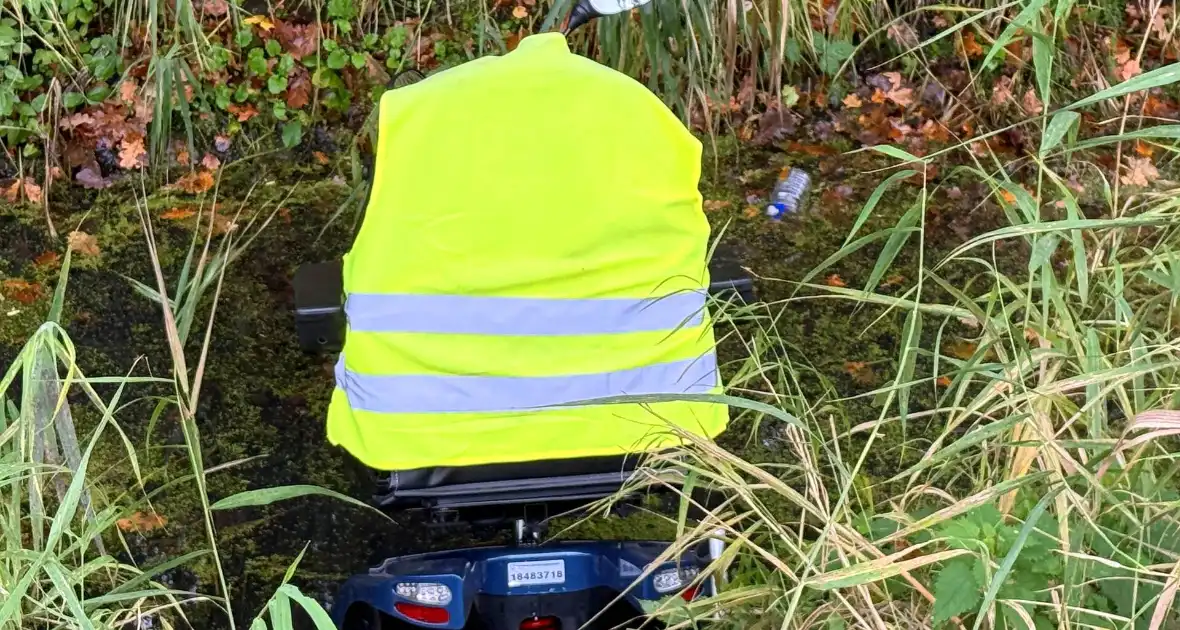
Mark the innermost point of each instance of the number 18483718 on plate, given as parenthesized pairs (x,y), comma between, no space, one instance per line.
(536,573)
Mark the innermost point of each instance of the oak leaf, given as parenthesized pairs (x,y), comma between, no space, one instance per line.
(132,151)
(195,182)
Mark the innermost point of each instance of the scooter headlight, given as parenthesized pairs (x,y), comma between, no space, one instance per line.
(427,593)
(674,579)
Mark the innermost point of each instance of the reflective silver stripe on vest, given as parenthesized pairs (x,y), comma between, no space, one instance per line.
(475,315)
(414,393)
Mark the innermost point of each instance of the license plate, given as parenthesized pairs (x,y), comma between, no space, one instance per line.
(536,573)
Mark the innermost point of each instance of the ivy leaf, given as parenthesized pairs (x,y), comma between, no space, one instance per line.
(73,99)
(273,47)
(956,590)
(338,59)
(292,133)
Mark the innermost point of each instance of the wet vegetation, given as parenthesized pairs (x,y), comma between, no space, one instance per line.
(969,333)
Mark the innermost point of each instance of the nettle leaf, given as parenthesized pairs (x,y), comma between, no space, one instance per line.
(960,533)
(956,589)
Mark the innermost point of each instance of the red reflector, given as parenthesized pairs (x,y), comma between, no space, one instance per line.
(690,593)
(425,614)
(541,623)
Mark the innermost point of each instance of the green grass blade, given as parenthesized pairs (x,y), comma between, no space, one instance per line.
(1026,530)
(874,198)
(1159,77)
(267,496)
(312,607)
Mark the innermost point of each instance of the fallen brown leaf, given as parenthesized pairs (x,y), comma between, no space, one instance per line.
(47,259)
(751,212)
(211,162)
(127,90)
(1002,90)
(1125,65)
(298,88)
(902,96)
(243,112)
(860,372)
(1032,105)
(141,522)
(83,243)
(215,8)
(934,131)
(713,205)
(320,157)
(132,151)
(11,193)
(177,214)
(520,12)
(960,349)
(21,290)
(221,143)
(195,182)
(943,381)
(1143,149)
(1140,172)
(835,280)
(301,40)
(852,100)
(971,48)
(32,190)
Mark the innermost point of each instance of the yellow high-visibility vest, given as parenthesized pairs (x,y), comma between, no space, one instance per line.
(534,237)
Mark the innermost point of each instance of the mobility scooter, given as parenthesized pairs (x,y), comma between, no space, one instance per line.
(533,583)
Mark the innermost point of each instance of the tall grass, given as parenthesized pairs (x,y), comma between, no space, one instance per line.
(1047,494)
(67,555)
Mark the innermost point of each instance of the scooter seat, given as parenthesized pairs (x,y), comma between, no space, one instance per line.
(435,477)
(505,483)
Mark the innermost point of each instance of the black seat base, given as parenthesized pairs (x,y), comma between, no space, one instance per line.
(519,483)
